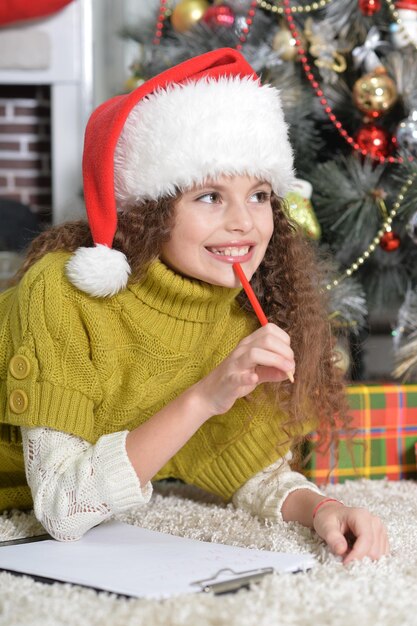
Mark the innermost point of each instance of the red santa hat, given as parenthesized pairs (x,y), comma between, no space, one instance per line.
(203,118)
(18,10)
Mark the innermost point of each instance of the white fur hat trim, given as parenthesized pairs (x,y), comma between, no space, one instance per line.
(180,136)
(99,271)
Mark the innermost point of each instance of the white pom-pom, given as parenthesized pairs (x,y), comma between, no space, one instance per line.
(98,271)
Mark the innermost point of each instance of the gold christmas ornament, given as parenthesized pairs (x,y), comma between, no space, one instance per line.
(319,47)
(375,93)
(337,63)
(300,209)
(302,213)
(133,82)
(284,44)
(187,13)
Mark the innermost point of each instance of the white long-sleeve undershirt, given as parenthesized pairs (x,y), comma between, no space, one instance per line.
(76,485)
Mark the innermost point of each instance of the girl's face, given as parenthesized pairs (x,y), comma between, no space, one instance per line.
(227,220)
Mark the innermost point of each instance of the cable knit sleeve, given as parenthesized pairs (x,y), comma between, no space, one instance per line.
(265,493)
(76,485)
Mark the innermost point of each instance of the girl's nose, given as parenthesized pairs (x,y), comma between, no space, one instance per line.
(238,217)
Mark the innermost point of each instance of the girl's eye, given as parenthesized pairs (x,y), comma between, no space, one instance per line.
(210,198)
(260,196)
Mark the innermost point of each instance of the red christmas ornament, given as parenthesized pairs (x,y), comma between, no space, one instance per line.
(369,7)
(221,15)
(389,241)
(377,141)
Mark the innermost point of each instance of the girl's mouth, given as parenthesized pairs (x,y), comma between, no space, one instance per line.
(231,254)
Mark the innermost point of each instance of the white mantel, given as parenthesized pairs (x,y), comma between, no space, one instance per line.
(87,63)
(65,41)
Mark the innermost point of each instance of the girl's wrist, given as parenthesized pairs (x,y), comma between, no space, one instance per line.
(199,407)
(322,504)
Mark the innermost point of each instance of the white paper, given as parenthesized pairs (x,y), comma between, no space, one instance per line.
(133,561)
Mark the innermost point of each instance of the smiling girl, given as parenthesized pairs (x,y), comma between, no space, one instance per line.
(129,352)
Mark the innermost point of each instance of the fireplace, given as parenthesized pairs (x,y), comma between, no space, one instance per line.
(25,147)
(45,99)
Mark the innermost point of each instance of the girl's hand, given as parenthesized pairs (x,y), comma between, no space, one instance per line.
(263,356)
(351,532)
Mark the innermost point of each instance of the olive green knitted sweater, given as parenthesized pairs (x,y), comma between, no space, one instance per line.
(92,366)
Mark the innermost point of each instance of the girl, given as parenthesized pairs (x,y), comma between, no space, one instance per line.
(128,350)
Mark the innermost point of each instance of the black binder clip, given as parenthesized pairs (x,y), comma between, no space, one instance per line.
(232,581)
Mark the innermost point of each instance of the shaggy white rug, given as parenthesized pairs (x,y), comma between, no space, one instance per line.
(383,593)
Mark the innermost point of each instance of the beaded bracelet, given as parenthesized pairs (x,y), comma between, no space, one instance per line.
(316,508)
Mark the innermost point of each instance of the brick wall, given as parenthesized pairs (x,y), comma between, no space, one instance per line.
(25,146)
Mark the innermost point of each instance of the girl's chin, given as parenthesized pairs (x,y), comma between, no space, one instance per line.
(231,282)
(221,276)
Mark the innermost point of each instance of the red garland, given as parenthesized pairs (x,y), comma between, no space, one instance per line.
(160,22)
(323,100)
(249,19)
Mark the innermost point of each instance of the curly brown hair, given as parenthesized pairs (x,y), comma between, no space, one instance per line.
(288,284)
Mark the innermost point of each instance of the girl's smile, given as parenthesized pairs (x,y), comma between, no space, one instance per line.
(233,252)
(225,221)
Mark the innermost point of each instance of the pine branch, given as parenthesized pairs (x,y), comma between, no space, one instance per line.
(385,278)
(405,339)
(345,202)
(176,47)
(402,66)
(349,22)
(348,304)
(298,105)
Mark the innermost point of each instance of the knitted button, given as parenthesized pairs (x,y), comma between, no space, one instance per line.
(18,401)
(19,366)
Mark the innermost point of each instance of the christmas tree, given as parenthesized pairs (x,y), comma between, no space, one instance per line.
(347,72)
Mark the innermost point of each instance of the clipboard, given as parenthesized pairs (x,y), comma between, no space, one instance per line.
(131,561)
(235,581)
(16,542)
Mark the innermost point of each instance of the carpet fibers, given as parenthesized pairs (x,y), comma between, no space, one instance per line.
(382,593)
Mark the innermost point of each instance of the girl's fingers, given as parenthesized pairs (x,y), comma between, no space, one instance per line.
(258,356)
(337,542)
(271,331)
(371,539)
(252,378)
(369,536)
(270,374)
(276,331)
(266,347)
(360,549)
(381,546)
(248,379)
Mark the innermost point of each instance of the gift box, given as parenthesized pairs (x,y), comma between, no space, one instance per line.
(384,443)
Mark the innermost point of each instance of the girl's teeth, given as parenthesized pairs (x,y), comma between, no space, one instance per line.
(231,251)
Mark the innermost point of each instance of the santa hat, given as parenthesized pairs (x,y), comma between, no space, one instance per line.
(203,118)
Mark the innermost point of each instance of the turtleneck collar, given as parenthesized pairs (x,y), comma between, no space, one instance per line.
(185,298)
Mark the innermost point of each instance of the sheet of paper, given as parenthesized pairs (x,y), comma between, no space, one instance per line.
(133,561)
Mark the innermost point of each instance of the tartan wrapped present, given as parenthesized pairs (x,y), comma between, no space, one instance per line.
(385,424)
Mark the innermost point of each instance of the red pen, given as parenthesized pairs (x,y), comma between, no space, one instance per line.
(254,302)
